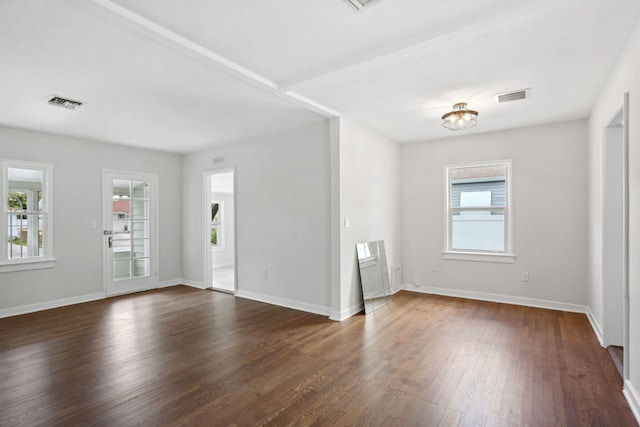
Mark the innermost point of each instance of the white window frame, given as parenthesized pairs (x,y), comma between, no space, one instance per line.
(506,256)
(220,236)
(47,260)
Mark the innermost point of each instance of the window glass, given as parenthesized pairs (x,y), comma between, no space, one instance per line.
(25,222)
(477,208)
(216,224)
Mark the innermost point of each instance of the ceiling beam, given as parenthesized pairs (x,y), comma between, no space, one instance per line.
(225,64)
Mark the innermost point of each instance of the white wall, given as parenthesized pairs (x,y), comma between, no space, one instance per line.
(370,198)
(77,200)
(613,238)
(549,178)
(282,214)
(625,77)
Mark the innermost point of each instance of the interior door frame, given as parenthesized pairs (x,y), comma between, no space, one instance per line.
(622,107)
(152,178)
(207,261)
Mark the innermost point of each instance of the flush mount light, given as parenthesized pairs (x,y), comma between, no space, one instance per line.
(64,103)
(460,118)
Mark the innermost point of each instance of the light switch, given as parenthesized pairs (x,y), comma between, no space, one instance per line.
(346,222)
(93,224)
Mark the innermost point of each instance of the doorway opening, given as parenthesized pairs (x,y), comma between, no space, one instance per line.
(615,237)
(220,230)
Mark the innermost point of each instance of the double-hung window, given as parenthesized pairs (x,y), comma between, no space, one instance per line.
(478,212)
(25,189)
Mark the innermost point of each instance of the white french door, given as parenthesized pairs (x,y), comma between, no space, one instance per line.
(130,254)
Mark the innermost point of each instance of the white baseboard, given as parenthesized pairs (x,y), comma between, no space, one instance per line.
(191,283)
(283,302)
(595,326)
(169,283)
(31,308)
(339,316)
(631,394)
(505,299)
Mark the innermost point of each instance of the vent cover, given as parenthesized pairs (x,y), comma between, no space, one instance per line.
(512,96)
(64,103)
(360,4)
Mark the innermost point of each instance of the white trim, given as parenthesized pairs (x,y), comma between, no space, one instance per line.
(207,249)
(28,264)
(192,283)
(32,308)
(339,316)
(131,291)
(633,398)
(154,234)
(190,45)
(181,282)
(169,283)
(479,256)
(284,302)
(48,259)
(505,299)
(312,105)
(621,108)
(595,326)
(222,63)
(508,214)
(625,220)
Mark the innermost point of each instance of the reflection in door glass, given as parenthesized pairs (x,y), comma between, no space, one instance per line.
(130,221)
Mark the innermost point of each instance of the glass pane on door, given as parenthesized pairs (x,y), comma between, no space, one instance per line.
(130,225)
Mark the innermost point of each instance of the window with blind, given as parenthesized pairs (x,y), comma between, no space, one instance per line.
(478,212)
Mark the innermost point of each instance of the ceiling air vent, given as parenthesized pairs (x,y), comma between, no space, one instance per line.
(64,103)
(360,4)
(512,96)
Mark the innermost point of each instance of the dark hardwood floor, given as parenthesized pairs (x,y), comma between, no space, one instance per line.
(181,356)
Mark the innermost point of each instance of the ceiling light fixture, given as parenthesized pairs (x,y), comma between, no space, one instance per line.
(460,118)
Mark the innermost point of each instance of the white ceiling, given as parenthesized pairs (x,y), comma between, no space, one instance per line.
(182,76)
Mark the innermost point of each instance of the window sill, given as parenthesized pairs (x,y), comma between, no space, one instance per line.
(30,264)
(479,256)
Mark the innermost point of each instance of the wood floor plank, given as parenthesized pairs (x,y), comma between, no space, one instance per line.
(184,357)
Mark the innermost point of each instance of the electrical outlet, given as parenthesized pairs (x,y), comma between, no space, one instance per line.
(434,266)
(265,273)
(525,276)
(417,284)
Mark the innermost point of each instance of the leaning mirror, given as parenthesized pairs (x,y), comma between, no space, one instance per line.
(374,275)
